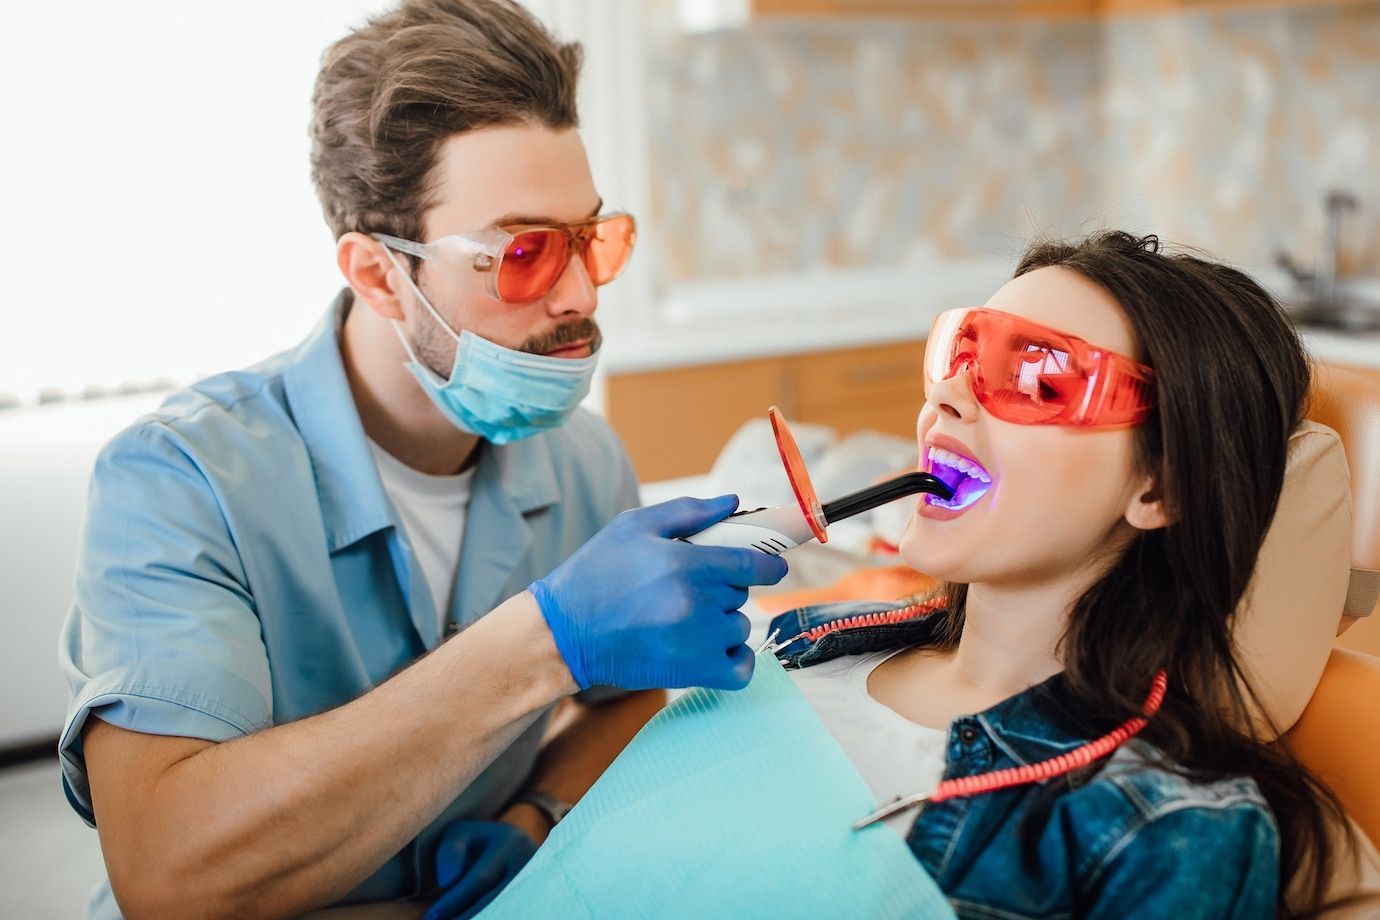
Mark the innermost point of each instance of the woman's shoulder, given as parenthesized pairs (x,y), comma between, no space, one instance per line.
(1147,779)
(1140,801)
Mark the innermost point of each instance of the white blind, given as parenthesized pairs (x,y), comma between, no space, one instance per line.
(161,221)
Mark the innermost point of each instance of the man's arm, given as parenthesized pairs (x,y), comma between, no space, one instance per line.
(580,750)
(294,817)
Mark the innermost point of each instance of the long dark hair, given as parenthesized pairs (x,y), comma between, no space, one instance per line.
(1232,379)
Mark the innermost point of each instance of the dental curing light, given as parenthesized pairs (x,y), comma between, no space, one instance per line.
(775,530)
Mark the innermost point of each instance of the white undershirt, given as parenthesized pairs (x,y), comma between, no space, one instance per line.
(897,757)
(432,510)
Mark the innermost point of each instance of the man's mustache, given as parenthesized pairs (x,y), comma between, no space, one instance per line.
(561,336)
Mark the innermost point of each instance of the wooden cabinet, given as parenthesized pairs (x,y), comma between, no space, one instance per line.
(994,9)
(674,422)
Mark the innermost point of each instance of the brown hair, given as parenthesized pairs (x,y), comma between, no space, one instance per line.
(391,92)
(1231,382)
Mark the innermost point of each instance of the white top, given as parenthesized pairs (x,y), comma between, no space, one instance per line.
(897,757)
(432,510)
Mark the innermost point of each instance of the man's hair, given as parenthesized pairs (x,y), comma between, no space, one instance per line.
(391,92)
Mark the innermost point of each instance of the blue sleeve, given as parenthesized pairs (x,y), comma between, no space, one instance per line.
(163,637)
(1197,861)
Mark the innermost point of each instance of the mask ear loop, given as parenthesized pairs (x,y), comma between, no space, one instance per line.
(407,276)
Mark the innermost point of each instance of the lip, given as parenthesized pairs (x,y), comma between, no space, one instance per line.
(944,442)
(576,350)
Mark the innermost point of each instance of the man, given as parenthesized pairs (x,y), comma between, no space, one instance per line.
(269,713)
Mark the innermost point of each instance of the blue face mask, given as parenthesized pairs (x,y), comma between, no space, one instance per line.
(500,394)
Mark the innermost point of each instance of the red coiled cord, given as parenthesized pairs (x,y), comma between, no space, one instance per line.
(881,618)
(1056,766)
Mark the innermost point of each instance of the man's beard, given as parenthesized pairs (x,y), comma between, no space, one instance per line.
(436,348)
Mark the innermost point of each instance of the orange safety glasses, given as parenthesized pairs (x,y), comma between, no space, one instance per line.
(522,263)
(1029,374)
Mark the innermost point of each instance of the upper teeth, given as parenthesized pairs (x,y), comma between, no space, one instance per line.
(949,458)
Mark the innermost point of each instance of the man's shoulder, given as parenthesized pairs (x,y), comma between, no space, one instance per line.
(242,411)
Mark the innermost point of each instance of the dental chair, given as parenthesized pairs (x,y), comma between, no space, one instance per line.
(1318,575)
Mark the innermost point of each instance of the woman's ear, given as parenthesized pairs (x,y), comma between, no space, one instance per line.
(370,273)
(1146,509)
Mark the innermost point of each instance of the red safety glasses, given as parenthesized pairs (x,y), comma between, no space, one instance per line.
(1029,374)
(522,263)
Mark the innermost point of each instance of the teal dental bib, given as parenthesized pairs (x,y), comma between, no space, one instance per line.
(689,822)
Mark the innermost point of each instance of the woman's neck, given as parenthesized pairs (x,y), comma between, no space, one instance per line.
(1010,638)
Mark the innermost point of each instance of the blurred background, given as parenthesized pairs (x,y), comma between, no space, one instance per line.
(814,181)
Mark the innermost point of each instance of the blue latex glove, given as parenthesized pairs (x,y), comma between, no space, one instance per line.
(474,861)
(636,608)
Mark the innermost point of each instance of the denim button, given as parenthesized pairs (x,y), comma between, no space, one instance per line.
(967,734)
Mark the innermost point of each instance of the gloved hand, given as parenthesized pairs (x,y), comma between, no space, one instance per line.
(636,608)
(475,860)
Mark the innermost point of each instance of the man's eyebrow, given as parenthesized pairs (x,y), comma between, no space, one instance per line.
(511,219)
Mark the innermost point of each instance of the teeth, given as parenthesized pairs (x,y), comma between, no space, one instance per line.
(949,458)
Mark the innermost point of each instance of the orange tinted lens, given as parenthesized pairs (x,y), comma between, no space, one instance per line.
(531,264)
(1028,376)
(608,247)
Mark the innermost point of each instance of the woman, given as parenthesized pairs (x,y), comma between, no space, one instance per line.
(1114,423)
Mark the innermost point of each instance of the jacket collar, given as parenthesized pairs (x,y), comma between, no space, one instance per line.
(1038,723)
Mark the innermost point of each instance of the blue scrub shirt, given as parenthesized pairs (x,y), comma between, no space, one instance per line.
(241,567)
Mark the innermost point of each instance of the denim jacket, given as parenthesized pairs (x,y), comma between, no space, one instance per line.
(1133,839)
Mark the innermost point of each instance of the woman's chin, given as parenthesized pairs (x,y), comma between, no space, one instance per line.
(928,554)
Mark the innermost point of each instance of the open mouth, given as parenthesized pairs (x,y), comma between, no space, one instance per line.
(967,478)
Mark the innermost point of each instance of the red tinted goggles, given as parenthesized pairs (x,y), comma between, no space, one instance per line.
(1030,374)
(520,264)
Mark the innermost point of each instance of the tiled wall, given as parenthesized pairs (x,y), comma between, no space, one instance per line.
(783,146)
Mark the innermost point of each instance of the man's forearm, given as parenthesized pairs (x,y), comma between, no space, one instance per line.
(575,757)
(294,817)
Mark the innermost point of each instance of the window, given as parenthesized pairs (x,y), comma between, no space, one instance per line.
(161,219)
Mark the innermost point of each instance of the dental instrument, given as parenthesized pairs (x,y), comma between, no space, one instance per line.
(775,530)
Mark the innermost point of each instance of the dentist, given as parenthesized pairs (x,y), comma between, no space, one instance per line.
(326,606)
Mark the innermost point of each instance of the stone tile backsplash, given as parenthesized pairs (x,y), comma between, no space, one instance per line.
(785,146)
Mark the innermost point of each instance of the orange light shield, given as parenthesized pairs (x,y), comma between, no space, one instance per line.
(799,477)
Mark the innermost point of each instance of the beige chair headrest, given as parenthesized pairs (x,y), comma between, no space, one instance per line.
(1349,403)
(1288,619)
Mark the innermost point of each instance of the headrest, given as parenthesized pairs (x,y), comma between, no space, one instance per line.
(1349,403)
(1288,619)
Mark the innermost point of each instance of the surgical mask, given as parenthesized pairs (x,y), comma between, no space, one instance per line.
(498,393)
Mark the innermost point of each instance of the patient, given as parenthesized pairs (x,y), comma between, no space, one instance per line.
(1114,423)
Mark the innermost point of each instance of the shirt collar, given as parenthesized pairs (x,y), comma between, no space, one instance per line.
(353,503)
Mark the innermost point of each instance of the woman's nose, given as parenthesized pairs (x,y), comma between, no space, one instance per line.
(954,395)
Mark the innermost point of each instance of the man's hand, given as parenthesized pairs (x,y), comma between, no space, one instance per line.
(636,608)
(475,860)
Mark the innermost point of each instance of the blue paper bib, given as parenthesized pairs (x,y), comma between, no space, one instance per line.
(690,821)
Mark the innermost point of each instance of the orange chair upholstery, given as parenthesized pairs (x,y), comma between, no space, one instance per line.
(1338,734)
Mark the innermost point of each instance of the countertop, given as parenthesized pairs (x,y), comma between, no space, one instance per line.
(712,322)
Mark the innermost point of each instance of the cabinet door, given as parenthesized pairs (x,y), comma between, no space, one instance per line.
(878,387)
(675,422)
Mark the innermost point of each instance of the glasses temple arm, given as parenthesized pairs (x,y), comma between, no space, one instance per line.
(401,245)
